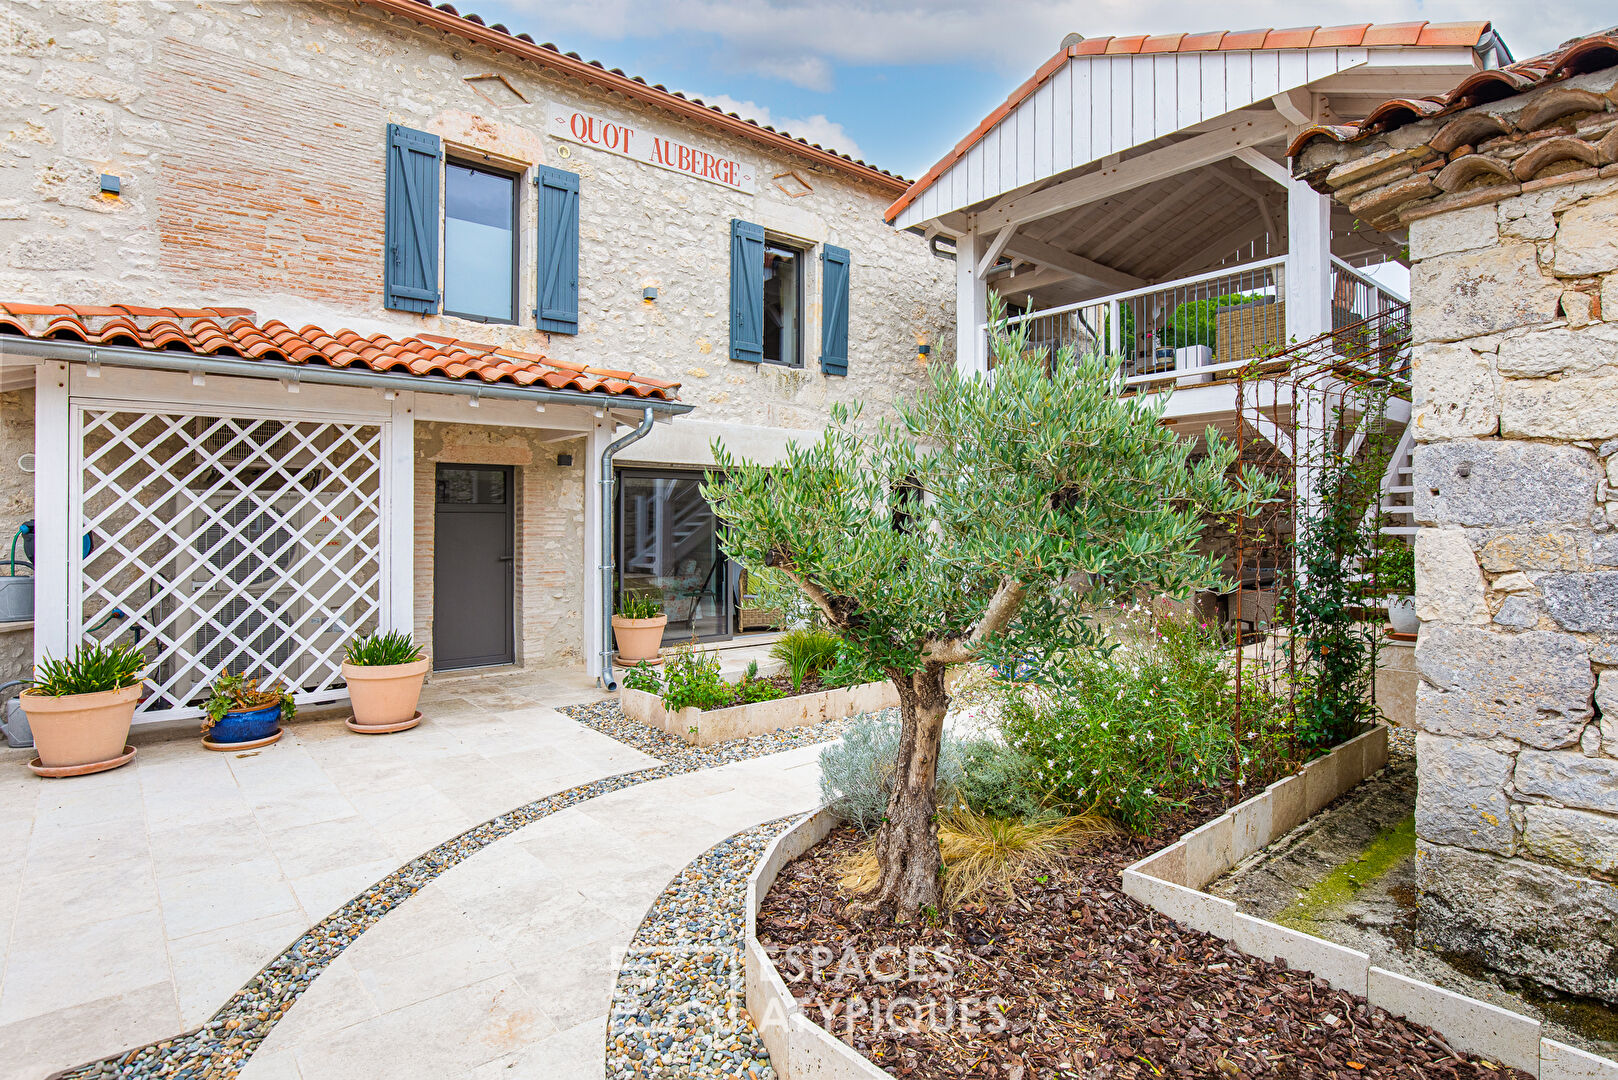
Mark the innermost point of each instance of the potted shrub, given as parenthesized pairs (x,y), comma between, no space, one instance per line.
(638,627)
(239,714)
(80,709)
(1396,577)
(384,672)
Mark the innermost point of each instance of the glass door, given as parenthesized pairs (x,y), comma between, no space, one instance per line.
(668,540)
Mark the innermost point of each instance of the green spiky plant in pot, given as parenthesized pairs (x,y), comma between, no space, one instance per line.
(637,626)
(384,671)
(80,708)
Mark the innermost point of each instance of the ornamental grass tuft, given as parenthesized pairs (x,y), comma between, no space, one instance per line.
(383,650)
(92,668)
(988,854)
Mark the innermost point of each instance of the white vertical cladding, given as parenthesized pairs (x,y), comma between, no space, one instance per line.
(594,556)
(1308,277)
(56,556)
(971,304)
(399,512)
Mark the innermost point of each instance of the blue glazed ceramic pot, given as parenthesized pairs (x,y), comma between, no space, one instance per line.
(247,726)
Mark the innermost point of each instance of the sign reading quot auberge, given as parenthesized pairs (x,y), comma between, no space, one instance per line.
(628,140)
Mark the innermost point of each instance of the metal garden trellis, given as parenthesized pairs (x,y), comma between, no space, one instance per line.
(1312,415)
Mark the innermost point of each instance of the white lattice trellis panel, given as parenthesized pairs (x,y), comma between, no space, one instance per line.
(232,542)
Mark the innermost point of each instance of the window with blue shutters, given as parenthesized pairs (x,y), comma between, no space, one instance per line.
(557,310)
(834,311)
(410,240)
(746,291)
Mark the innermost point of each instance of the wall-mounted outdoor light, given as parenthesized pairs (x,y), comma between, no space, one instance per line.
(110,185)
(564,460)
(649,293)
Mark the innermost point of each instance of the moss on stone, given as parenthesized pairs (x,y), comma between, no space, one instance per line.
(1390,848)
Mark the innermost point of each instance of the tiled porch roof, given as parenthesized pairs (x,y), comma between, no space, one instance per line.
(1574,57)
(236,332)
(1358,35)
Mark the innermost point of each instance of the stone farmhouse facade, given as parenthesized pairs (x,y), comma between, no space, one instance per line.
(428,266)
(1508,187)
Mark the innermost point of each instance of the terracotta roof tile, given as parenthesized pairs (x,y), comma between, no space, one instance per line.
(1297,37)
(1574,57)
(1161,43)
(236,332)
(1339,36)
(1396,34)
(1468,34)
(1201,42)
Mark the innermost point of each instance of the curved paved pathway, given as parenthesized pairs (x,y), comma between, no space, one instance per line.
(504,966)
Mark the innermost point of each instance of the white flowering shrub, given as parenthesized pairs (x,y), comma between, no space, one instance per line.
(1143,729)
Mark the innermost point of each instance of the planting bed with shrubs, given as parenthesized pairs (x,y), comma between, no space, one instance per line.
(813,660)
(1042,967)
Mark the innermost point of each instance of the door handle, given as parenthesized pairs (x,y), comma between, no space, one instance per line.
(506,558)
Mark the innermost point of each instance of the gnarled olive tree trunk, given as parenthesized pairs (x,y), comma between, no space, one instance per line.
(907,843)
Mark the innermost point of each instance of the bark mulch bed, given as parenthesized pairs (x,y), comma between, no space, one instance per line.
(1071,978)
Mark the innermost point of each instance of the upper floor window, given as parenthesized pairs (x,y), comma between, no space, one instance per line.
(783,304)
(480,243)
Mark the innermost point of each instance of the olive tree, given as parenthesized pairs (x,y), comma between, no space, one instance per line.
(989,523)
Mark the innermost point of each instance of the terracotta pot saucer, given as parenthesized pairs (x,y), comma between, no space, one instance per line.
(624,662)
(250,744)
(383,729)
(83,770)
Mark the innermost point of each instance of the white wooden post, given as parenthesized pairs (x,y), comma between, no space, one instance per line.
(399,502)
(55,555)
(596,441)
(971,305)
(1308,277)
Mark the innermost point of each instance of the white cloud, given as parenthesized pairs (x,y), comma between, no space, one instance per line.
(802,41)
(815,129)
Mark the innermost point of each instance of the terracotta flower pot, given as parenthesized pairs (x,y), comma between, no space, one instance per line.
(384,694)
(638,640)
(81,729)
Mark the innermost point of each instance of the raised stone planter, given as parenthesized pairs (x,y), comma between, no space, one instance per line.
(704,728)
(1171,879)
(799,1048)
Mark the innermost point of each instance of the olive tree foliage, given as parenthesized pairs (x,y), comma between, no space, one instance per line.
(989,523)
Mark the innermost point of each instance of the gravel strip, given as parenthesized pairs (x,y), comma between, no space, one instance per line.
(219,1048)
(679,1007)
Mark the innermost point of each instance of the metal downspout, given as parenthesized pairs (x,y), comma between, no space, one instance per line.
(608,558)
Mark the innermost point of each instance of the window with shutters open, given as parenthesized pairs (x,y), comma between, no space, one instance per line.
(768,296)
(480,243)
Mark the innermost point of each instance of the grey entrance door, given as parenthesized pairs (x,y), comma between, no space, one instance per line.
(472,567)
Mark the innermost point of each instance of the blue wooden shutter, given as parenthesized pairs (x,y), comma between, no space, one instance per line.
(746,291)
(410,232)
(558,308)
(834,310)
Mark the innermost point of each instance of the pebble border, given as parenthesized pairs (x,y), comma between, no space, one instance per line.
(221,1046)
(678,1005)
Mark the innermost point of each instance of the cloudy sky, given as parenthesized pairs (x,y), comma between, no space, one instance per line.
(897,82)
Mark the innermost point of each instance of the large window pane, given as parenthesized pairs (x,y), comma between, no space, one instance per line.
(668,541)
(783,305)
(479,243)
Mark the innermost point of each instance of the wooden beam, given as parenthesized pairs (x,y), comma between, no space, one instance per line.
(1049,255)
(1296,105)
(1029,280)
(1265,165)
(996,246)
(1127,175)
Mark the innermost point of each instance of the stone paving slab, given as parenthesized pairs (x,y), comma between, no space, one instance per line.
(504,965)
(132,903)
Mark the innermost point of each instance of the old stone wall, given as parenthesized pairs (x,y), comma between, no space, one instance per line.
(1516,484)
(249,139)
